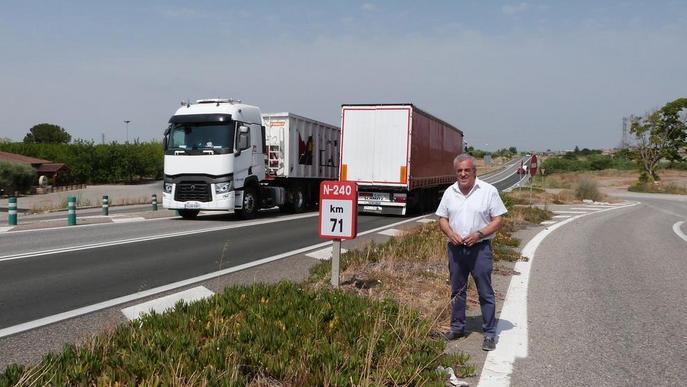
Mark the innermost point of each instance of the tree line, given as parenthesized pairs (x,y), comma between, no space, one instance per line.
(92,163)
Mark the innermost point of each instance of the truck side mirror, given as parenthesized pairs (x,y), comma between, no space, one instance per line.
(244,137)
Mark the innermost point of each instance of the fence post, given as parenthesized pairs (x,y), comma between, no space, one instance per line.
(106,205)
(71,210)
(12,211)
(154,202)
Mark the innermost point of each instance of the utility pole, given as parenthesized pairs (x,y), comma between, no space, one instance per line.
(127,130)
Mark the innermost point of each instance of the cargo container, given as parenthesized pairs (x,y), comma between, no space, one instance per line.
(302,152)
(224,155)
(400,156)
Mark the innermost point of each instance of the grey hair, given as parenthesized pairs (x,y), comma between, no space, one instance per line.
(464,157)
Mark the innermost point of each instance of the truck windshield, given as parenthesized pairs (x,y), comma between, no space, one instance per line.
(190,137)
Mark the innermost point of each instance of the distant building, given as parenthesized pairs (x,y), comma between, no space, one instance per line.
(42,167)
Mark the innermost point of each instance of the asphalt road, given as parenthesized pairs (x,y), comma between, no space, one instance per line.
(606,300)
(38,286)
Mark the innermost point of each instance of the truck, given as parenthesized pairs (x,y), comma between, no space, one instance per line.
(224,155)
(400,156)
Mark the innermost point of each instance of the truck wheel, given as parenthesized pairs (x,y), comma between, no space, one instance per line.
(189,214)
(250,204)
(298,200)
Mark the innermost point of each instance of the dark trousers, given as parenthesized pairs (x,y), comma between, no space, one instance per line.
(476,260)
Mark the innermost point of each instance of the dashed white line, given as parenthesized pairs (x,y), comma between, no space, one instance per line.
(569,212)
(324,254)
(560,216)
(391,232)
(678,231)
(128,220)
(426,220)
(547,222)
(163,304)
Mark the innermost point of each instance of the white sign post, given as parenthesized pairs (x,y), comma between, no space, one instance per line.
(338,217)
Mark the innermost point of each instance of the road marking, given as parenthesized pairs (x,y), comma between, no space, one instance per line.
(324,254)
(391,232)
(569,212)
(426,220)
(148,238)
(128,220)
(512,342)
(584,209)
(561,216)
(166,303)
(678,231)
(175,285)
(5,229)
(547,222)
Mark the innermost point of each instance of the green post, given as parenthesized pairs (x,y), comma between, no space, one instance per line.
(12,211)
(71,210)
(154,202)
(106,205)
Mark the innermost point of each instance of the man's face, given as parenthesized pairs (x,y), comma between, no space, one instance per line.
(466,174)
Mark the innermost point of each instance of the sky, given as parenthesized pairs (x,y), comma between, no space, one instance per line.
(536,75)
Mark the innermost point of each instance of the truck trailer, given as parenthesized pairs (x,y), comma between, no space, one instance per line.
(224,155)
(400,156)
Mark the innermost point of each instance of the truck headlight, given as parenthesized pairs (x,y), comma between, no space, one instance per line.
(168,188)
(221,188)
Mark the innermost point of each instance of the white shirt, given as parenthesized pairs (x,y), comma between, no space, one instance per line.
(468,213)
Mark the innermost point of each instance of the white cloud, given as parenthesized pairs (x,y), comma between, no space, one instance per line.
(512,9)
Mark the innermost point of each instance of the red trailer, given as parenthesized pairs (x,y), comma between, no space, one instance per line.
(400,156)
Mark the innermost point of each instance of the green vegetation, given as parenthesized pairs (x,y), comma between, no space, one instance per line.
(586,160)
(588,188)
(91,163)
(16,177)
(47,134)
(660,135)
(271,333)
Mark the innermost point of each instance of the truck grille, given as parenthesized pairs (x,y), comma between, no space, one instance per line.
(196,191)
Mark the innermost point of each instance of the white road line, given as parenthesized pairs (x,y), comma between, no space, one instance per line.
(161,289)
(569,212)
(166,303)
(512,343)
(588,209)
(426,220)
(547,222)
(5,229)
(391,232)
(59,228)
(560,216)
(128,220)
(678,231)
(324,254)
(147,238)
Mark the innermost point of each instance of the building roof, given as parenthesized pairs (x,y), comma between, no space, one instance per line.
(15,158)
(51,168)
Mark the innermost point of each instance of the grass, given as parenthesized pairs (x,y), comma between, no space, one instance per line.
(658,188)
(255,335)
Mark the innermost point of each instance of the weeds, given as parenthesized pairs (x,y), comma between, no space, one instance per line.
(587,188)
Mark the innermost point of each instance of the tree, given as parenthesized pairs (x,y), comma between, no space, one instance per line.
(660,134)
(47,134)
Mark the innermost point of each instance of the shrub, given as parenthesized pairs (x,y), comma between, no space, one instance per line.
(281,332)
(16,177)
(588,188)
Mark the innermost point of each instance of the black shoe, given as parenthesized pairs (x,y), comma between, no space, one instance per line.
(489,344)
(452,335)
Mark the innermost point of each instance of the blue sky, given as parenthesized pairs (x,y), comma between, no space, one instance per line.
(532,74)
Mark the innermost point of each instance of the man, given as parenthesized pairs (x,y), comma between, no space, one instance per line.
(470,213)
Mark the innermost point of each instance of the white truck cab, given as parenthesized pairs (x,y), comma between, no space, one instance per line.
(215,159)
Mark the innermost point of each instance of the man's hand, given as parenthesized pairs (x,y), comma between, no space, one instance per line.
(471,239)
(453,237)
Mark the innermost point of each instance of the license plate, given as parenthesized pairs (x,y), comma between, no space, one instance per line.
(192,205)
(380,196)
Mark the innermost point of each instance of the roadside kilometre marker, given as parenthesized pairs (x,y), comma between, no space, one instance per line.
(338,217)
